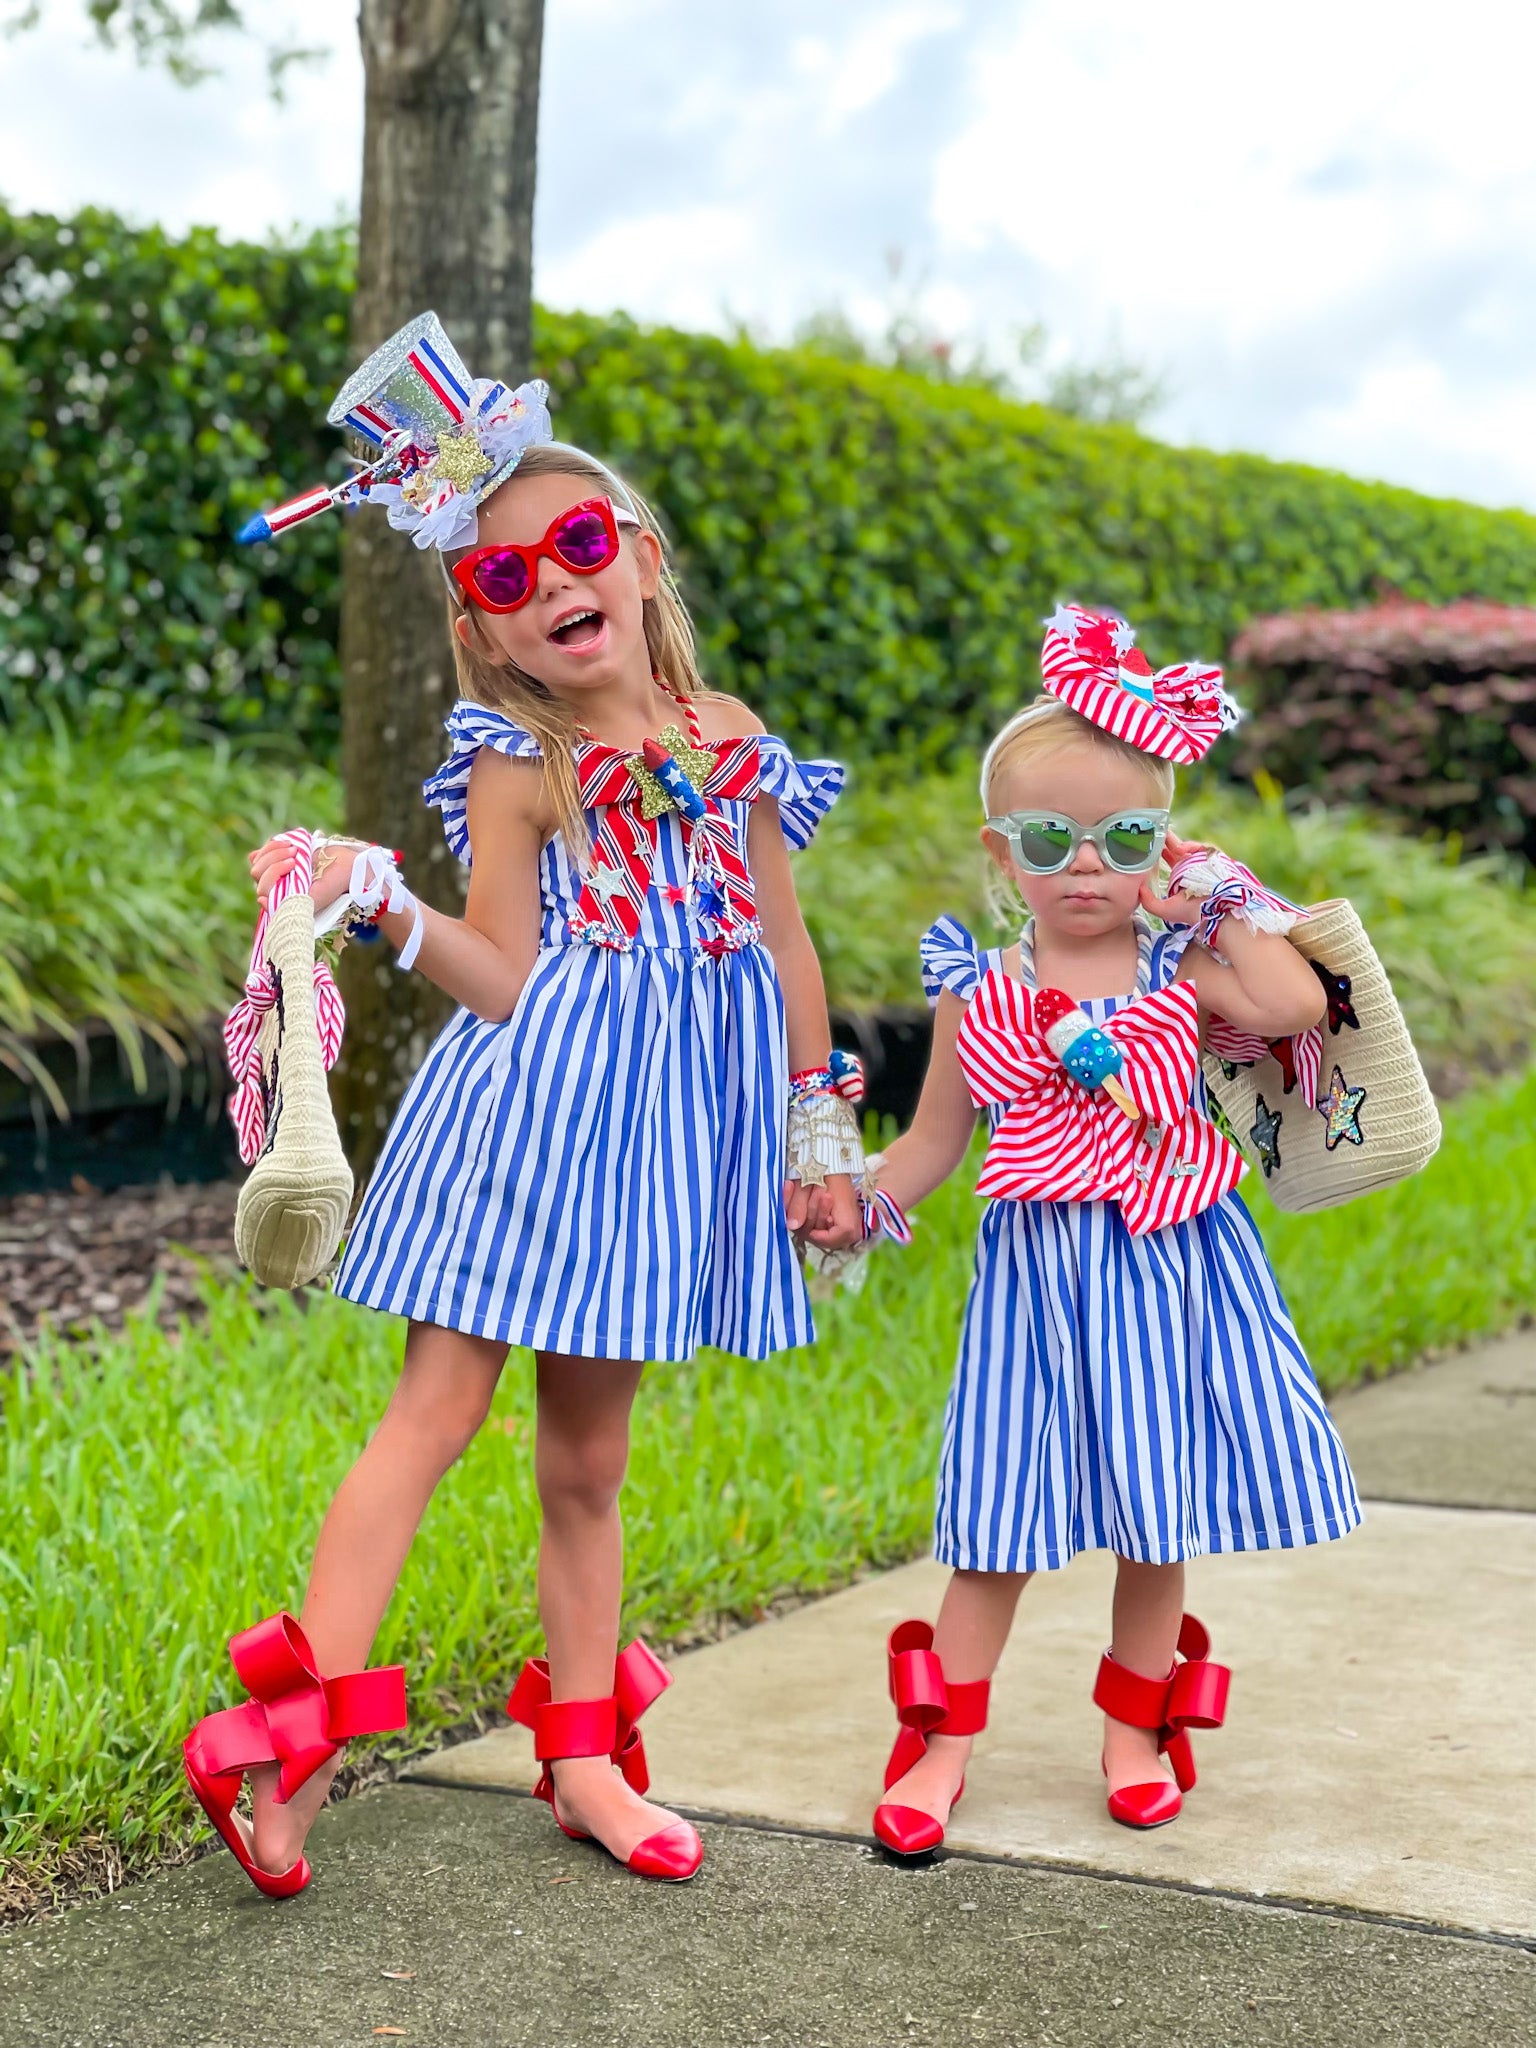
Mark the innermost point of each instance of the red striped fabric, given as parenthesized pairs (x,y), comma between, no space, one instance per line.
(624,847)
(1090,662)
(248,1103)
(1061,1142)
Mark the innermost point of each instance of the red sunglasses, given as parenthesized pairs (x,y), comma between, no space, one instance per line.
(503,576)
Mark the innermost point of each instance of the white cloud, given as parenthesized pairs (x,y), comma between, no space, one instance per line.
(1319,221)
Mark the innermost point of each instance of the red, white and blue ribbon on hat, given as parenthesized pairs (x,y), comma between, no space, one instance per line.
(439,440)
(248,1104)
(1060,1141)
(623,860)
(1090,660)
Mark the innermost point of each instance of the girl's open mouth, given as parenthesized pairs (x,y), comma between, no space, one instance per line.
(579,629)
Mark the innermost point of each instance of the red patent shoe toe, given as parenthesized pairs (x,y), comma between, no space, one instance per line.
(673,1855)
(1145,1806)
(907,1830)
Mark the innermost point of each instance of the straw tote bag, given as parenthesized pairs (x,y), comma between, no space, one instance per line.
(293,1206)
(1375,1120)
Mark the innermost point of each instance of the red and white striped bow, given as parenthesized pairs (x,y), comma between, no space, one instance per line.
(248,1104)
(1300,1059)
(1092,663)
(624,852)
(1061,1142)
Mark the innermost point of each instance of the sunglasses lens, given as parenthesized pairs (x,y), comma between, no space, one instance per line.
(502,579)
(582,542)
(1044,844)
(1131,844)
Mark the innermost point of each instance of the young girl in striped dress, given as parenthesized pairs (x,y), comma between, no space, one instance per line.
(1129,1377)
(592,1161)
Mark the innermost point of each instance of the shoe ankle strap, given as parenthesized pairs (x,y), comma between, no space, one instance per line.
(967,1713)
(1127,1696)
(570,1728)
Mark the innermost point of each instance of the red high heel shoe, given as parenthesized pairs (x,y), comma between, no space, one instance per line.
(926,1704)
(566,1728)
(295,1719)
(1193,1695)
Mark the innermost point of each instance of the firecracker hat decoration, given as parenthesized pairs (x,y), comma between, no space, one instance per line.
(433,443)
(1092,663)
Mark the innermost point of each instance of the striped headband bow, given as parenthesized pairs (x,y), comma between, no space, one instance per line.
(1092,663)
(630,793)
(1062,1141)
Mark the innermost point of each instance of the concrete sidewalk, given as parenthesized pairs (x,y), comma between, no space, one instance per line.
(458,1920)
(1377,1754)
(1354,1870)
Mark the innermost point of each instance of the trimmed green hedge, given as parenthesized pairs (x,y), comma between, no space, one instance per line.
(868,553)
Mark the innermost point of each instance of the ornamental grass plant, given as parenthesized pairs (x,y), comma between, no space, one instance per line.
(124,897)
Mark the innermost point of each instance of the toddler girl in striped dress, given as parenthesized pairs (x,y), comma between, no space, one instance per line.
(1129,1377)
(611,1148)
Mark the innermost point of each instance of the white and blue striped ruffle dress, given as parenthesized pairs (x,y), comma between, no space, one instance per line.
(602,1174)
(1146,1395)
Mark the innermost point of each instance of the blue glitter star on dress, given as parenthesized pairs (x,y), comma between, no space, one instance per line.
(1266,1136)
(1339,990)
(1340,1110)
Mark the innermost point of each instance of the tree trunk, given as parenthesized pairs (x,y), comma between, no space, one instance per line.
(449,152)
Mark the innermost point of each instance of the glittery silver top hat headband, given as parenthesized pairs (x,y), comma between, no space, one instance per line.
(434,443)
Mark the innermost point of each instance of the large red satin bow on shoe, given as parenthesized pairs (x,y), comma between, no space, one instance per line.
(624,854)
(294,1717)
(639,1680)
(1061,1142)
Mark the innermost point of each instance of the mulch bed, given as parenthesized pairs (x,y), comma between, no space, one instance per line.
(79,1256)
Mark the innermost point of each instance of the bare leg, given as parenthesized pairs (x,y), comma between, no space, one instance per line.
(439,1402)
(1149,1604)
(582,1452)
(973,1624)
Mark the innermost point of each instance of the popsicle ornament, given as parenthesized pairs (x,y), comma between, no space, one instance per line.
(1089,1055)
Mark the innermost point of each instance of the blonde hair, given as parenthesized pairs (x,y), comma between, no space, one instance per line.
(500,685)
(1049,727)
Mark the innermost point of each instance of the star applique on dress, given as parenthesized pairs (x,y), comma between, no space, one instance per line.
(1266,1136)
(1340,1108)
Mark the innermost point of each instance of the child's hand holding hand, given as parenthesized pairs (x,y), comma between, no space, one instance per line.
(834,1220)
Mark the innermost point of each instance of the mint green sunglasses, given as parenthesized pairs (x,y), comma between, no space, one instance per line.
(1130,842)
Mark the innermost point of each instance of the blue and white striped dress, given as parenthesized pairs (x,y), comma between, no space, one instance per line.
(600,1175)
(1145,1395)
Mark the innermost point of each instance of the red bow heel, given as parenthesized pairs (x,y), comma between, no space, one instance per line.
(569,1728)
(295,1719)
(926,1704)
(1193,1695)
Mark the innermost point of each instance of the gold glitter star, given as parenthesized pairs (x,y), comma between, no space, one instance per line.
(812,1173)
(460,460)
(697,763)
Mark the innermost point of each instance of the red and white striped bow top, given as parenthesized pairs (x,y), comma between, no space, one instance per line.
(1058,1141)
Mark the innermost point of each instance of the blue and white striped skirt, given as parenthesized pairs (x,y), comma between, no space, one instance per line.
(602,1174)
(1146,1395)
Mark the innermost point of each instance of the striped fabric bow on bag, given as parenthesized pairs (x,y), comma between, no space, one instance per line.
(242,1029)
(624,848)
(1060,1141)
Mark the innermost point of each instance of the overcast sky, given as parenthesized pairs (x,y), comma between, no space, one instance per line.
(1319,221)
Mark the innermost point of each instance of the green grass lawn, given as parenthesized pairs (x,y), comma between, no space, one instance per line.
(162,1488)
